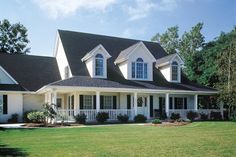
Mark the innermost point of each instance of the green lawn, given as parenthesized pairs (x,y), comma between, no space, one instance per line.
(197,139)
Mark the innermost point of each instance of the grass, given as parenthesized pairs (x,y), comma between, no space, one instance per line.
(197,139)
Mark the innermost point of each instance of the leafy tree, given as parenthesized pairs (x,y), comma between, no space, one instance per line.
(13,38)
(189,47)
(168,40)
(227,71)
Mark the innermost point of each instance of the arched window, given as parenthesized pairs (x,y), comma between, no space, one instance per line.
(139,69)
(99,60)
(175,71)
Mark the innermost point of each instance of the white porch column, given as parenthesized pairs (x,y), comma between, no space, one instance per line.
(135,104)
(97,101)
(167,104)
(195,102)
(148,107)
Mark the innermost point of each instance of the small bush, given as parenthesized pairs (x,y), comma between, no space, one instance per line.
(187,120)
(175,116)
(192,115)
(233,117)
(25,118)
(215,116)
(203,116)
(140,118)
(80,118)
(163,116)
(156,121)
(101,117)
(36,117)
(123,118)
(14,118)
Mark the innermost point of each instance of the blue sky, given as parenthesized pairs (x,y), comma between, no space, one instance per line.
(138,19)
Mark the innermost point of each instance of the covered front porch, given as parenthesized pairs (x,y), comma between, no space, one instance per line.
(70,102)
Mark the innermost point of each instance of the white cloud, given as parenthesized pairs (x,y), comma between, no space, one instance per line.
(64,8)
(133,32)
(142,8)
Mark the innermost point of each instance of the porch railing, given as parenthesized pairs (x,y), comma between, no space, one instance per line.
(68,115)
(183,112)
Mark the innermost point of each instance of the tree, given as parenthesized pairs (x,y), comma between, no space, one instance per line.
(227,72)
(168,40)
(13,38)
(191,43)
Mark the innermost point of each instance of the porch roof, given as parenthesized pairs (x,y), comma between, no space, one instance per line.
(86,81)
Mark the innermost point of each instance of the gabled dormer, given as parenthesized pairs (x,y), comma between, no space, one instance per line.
(136,62)
(170,67)
(96,62)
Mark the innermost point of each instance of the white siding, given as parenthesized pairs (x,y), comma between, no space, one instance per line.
(4,78)
(32,102)
(124,69)
(166,72)
(62,61)
(15,105)
(89,65)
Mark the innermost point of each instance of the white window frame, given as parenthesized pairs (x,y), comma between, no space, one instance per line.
(87,105)
(135,69)
(178,72)
(66,72)
(103,65)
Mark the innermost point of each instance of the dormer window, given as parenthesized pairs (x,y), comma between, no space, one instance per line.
(99,65)
(139,69)
(174,71)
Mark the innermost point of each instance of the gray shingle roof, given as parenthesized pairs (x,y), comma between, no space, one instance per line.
(31,72)
(165,59)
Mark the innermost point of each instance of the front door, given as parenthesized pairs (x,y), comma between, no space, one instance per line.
(142,105)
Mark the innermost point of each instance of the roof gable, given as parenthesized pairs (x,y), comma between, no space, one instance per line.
(124,55)
(168,60)
(93,51)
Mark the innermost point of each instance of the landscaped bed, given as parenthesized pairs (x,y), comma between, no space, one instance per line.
(195,139)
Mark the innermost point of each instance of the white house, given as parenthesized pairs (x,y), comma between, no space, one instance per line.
(92,73)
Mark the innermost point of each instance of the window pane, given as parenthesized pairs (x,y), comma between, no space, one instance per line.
(99,67)
(145,70)
(139,70)
(88,101)
(139,60)
(179,103)
(108,102)
(174,72)
(133,70)
(1,104)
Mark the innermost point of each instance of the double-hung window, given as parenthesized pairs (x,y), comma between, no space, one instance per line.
(99,65)
(174,71)
(108,102)
(88,102)
(139,69)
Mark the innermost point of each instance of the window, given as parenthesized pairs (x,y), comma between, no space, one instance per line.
(108,102)
(99,65)
(66,75)
(139,69)
(180,103)
(59,102)
(88,101)
(1,104)
(174,71)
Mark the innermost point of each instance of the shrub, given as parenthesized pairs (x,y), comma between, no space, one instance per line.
(80,118)
(215,116)
(187,120)
(156,121)
(175,116)
(203,116)
(163,116)
(123,118)
(101,117)
(14,118)
(36,116)
(192,115)
(140,118)
(25,118)
(233,117)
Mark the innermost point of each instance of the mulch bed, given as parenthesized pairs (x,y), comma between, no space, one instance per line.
(168,124)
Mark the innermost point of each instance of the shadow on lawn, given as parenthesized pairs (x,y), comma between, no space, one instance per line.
(9,151)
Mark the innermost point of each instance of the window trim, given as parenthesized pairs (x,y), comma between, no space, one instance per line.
(1,104)
(101,58)
(134,74)
(178,72)
(84,102)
